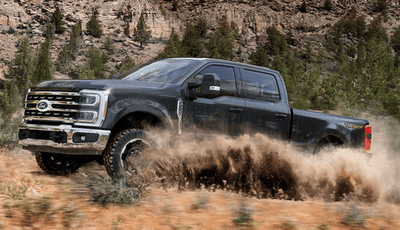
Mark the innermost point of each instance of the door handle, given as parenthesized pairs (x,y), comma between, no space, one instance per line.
(235,110)
(280,115)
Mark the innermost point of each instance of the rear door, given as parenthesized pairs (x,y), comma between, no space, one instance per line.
(222,114)
(266,112)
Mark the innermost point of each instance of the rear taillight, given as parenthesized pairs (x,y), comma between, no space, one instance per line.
(368,137)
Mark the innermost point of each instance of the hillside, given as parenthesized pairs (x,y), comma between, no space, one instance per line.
(21,18)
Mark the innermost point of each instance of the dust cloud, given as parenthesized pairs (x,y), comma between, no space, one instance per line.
(261,167)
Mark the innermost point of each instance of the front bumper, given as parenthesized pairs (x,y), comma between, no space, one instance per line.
(63,139)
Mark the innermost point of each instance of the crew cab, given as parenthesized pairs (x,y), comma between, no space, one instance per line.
(69,122)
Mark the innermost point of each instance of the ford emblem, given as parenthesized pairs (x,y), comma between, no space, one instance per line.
(43,105)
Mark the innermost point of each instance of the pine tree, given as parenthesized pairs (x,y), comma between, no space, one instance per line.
(57,19)
(97,62)
(21,68)
(381,5)
(75,39)
(303,7)
(49,31)
(94,26)
(173,48)
(141,34)
(43,69)
(376,30)
(201,27)
(69,50)
(260,57)
(395,39)
(328,5)
(276,42)
(221,42)
(192,46)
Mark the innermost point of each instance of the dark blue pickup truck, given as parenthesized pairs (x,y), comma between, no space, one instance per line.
(68,122)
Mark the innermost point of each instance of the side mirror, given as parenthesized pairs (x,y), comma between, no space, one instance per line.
(210,86)
(114,76)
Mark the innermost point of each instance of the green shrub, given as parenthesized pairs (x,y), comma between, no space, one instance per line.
(31,211)
(107,191)
(68,214)
(84,72)
(353,217)
(126,64)
(243,215)
(201,202)
(109,45)
(299,103)
(93,26)
(288,225)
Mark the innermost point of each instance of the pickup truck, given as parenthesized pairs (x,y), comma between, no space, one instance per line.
(69,122)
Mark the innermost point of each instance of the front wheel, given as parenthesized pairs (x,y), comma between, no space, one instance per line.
(125,155)
(57,164)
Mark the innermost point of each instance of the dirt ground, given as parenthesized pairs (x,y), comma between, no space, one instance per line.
(31,199)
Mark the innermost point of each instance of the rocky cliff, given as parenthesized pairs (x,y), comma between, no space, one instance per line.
(24,18)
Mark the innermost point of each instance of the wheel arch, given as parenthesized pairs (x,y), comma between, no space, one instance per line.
(139,120)
(331,136)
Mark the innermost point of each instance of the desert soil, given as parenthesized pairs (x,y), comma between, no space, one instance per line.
(71,206)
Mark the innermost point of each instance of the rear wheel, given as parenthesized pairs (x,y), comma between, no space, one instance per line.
(326,143)
(126,154)
(57,164)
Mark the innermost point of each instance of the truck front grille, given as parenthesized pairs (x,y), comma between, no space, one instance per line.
(53,106)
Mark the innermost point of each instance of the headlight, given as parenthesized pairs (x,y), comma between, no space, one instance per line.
(93,109)
(91,100)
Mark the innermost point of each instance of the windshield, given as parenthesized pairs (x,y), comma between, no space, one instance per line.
(169,70)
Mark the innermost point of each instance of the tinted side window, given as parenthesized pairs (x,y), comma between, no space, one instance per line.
(227,76)
(260,86)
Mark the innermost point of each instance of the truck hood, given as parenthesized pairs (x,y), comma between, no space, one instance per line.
(77,85)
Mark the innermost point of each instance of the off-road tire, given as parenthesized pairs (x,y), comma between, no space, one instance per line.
(116,152)
(57,164)
(327,143)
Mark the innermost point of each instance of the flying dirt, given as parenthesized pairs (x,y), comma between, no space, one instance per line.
(264,168)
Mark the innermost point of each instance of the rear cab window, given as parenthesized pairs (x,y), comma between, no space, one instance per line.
(259,85)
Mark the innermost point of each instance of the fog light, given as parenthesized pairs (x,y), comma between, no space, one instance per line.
(87,116)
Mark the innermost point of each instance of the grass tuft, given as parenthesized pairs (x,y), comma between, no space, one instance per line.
(243,215)
(122,192)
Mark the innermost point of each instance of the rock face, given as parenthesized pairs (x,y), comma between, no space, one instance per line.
(28,18)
